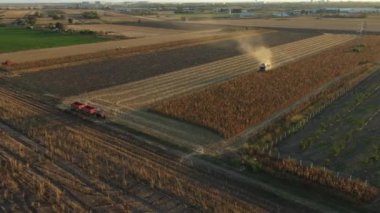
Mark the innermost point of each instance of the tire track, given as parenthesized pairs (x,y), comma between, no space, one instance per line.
(95,184)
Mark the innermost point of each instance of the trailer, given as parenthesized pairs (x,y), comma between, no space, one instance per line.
(86,110)
(8,63)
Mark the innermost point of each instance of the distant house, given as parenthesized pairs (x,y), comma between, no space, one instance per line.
(280,14)
(98,4)
(235,11)
(85,5)
(246,15)
(360,10)
(222,10)
(238,13)
(331,10)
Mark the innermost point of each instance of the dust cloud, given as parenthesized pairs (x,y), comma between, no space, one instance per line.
(260,53)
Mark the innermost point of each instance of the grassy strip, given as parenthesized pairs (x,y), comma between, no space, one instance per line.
(357,189)
(17,39)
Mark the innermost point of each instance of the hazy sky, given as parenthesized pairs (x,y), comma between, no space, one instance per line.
(63,1)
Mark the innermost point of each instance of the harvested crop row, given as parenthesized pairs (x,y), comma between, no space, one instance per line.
(233,106)
(103,156)
(22,189)
(358,189)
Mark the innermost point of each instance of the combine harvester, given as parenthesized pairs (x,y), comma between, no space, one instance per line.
(85,109)
(264,67)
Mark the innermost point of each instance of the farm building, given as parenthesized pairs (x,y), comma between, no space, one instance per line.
(359,10)
(350,10)
(280,14)
(246,15)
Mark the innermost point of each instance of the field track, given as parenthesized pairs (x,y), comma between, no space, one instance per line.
(141,93)
(219,184)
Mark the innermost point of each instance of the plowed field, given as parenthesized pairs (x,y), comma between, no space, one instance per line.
(88,77)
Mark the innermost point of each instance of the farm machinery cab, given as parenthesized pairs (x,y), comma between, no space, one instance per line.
(86,110)
(264,67)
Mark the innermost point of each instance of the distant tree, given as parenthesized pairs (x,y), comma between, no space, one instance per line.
(38,14)
(60,26)
(32,20)
(20,21)
(71,21)
(51,26)
(54,16)
(90,15)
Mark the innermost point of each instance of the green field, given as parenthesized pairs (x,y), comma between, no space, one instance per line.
(16,39)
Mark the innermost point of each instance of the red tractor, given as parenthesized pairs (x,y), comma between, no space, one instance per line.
(8,63)
(86,109)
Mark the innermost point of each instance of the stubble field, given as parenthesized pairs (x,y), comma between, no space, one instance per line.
(121,174)
(202,95)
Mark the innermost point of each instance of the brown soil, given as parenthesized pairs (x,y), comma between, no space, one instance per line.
(88,77)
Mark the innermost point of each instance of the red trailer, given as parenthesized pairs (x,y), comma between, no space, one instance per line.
(77,106)
(89,110)
(86,109)
(8,63)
